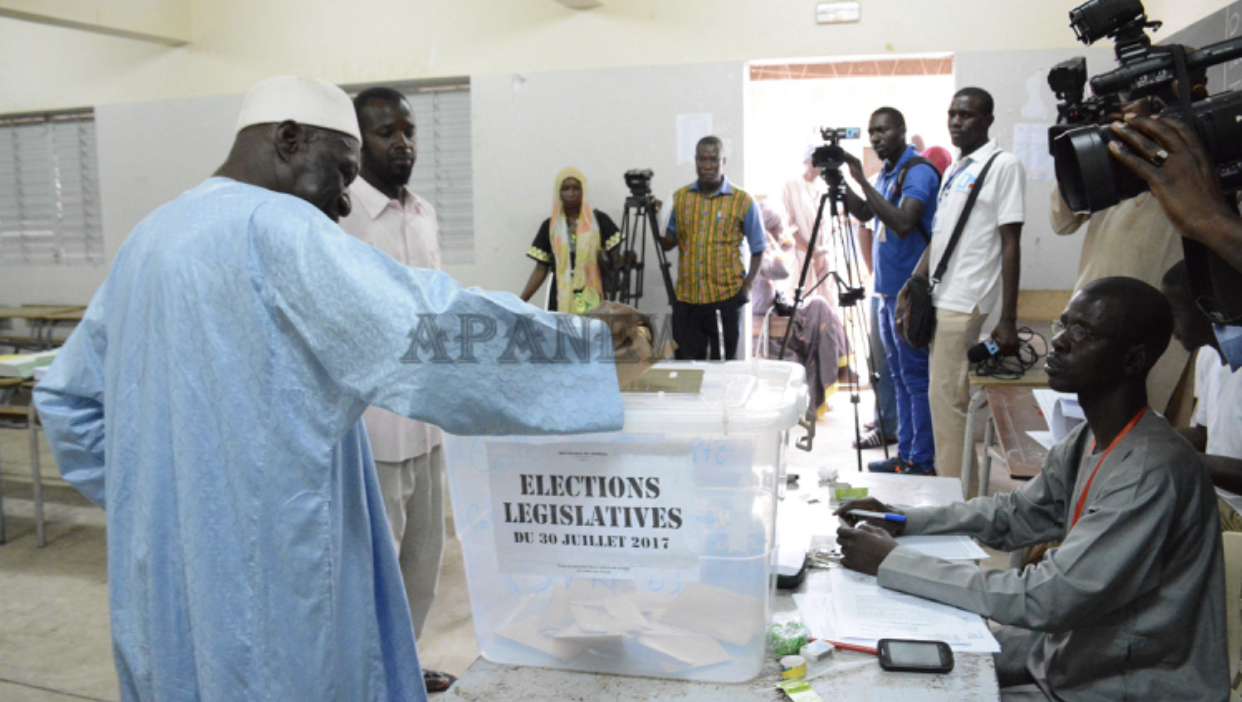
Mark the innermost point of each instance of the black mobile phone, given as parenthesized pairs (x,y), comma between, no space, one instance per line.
(906,656)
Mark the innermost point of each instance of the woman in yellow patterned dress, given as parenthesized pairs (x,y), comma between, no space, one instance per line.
(577,244)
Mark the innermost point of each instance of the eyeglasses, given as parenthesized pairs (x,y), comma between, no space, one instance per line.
(1077,333)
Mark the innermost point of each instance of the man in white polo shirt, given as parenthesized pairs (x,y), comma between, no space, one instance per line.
(408,459)
(983,269)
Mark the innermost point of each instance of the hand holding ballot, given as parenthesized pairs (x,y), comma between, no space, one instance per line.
(851,511)
(865,548)
(632,340)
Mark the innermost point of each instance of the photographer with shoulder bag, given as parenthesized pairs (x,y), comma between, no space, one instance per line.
(976,247)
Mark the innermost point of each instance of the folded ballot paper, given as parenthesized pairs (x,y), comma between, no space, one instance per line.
(684,630)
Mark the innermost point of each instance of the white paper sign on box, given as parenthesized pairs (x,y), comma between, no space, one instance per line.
(620,510)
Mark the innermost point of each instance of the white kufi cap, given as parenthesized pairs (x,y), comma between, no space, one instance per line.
(303,100)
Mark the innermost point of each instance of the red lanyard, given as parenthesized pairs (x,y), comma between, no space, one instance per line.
(1082,500)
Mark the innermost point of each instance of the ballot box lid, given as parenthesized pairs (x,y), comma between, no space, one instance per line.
(733,397)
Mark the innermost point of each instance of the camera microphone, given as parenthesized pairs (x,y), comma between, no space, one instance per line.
(983,350)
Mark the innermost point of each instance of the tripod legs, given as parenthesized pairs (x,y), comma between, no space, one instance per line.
(850,295)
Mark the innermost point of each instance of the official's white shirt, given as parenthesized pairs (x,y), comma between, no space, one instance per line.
(973,277)
(408,233)
(1218,391)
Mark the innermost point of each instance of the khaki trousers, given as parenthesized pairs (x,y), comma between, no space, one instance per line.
(414,500)
(949,389)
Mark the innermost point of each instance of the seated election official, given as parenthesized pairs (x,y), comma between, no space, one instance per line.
(1132,604)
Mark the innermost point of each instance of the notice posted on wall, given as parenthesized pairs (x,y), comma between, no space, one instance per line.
(1030,145)
(691,128)
(619,511)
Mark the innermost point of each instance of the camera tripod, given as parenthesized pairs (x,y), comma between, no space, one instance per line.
(850,292)
(639,220)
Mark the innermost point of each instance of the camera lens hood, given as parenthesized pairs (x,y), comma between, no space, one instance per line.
(1085,169)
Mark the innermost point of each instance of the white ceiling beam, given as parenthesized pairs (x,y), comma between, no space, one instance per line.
(160,21)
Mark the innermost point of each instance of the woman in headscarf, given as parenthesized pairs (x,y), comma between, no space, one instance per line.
(577,244)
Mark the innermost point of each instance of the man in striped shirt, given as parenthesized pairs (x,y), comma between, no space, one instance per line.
(713,227)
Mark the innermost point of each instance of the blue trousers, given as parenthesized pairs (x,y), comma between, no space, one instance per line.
(885,395)
(908,367)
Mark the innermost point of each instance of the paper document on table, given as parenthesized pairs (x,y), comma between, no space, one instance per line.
(794,522)
(817,614)
(866,612)
(1043,438)
(1061,410)
(954,547)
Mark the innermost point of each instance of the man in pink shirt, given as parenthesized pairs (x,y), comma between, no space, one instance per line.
(408,459)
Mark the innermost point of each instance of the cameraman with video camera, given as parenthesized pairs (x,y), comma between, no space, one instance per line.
(1134,238)
(904,201)
(1188,156)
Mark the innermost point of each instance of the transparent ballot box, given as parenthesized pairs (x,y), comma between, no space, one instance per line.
(641,552)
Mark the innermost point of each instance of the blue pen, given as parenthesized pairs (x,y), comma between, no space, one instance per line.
(886,516)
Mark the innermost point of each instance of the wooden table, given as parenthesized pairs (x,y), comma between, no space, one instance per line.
(47,324)
(41,319)
(849,675)
(31,419)
(1014,412)
(35,311)
(1034,378)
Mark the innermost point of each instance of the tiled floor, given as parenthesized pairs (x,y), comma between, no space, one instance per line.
(54,636)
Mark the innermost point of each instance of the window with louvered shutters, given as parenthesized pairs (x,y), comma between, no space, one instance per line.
(443,173)
(49,190)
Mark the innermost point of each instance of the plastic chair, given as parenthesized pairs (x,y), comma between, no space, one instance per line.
(1233,607)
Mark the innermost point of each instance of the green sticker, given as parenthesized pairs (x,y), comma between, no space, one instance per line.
(850,493)
(799,691)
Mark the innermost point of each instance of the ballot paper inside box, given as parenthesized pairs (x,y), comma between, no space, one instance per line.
(643,552)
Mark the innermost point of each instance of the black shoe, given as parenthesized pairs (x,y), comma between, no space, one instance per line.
(873,440)
(437,682)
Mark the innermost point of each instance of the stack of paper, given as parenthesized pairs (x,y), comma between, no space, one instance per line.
(22,365)
(859,611)
(1061,411)
(953,547)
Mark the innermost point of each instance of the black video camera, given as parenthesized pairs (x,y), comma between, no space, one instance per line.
(1068,81)
(639,182)
(1089,178)
(831,156)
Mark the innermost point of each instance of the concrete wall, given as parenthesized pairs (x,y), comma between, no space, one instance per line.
(605,122)
(525,129)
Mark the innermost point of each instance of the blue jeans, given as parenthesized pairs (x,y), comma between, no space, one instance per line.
(885,395)
(908,367)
